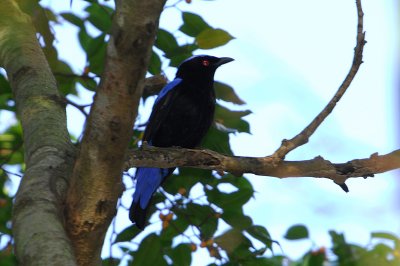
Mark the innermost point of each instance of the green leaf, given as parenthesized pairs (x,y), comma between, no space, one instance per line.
(174,183)
(209,225)
(100,16)
(73,19)
(50,15)
(202,216)
(84,39)
(229,200)
(187,178)
(128,234)
(316,258)
(218,141)
(7,102)
(297,232)
(176,60)
(42,24)
(384,235)
(212,38)
(381,250)
(181,255)
(4,85)
(224,113)
(226,93)
(111,262)
(345,252)
(150,252)
(232,119)
(95,49)
(95,44)
(11,145)
(273,261)
(166,42)
(155,64)
(193,24)
(230,240)
(175,228)
(260,233)
(96,52)
(96,62)
(88,83)
(181,53)
(65,78)
(6,204)
(242,183)
(242,252)
(6,97)
(337,239)
(199,213)
(236,218)
(8,259)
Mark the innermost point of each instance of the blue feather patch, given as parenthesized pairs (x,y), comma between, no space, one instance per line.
(148,180)
(168,88)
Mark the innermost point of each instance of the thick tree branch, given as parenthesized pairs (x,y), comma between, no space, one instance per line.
(153,85)
(38,229)
(96,182)
(303,137)
(150,156)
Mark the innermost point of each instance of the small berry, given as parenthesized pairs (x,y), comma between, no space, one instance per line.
(182,191)
(3,203)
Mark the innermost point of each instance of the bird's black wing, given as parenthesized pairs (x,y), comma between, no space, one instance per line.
(161,109)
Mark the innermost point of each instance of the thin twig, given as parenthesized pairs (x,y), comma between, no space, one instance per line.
(174,4)
(303,137)
(81,108)
(10,173)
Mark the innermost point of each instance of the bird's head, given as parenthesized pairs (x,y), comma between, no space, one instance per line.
(201,66)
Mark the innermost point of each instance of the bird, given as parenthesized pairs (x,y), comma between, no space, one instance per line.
(181,116)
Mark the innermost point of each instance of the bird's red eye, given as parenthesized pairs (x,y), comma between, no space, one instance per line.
(205,63)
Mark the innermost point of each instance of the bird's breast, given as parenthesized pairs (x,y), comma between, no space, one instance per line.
(188,119)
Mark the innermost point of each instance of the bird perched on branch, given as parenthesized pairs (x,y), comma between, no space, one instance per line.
(181,116)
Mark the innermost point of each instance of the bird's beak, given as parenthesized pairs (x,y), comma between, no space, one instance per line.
(223,60)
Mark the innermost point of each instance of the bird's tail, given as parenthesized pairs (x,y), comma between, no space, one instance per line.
(148,180)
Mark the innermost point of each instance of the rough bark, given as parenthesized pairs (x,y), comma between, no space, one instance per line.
(96,182)
(40,238)
(267,166)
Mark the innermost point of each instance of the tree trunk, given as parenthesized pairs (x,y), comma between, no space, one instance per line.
(96,182)
(55,184)
(40,238)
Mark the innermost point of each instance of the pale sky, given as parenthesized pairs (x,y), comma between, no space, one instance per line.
(290,57)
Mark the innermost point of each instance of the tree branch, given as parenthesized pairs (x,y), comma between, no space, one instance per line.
(38,228)
(303,137)
(153,85)
(96,182)
(318,167)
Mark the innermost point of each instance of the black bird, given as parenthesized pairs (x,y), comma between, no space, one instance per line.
(181,116)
